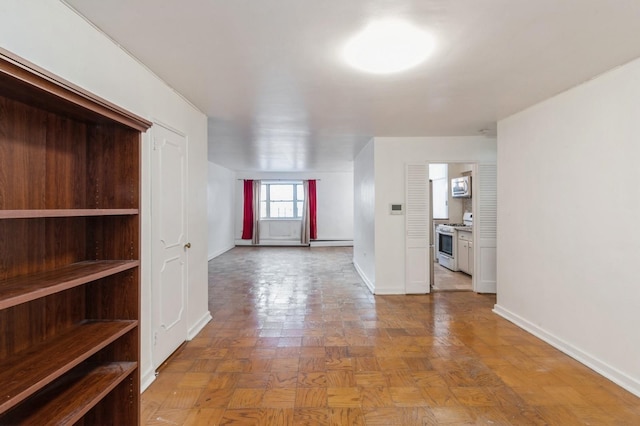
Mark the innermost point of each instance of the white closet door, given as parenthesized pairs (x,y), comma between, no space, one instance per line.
(485,224)
(170,244)
(417,226)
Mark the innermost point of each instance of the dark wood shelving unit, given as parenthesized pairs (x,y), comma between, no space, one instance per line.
(82,390)
(19,290)
(27,372)
(32,214)
(69,252)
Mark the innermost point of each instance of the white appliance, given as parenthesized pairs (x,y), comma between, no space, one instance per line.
(461,187)
(447,235)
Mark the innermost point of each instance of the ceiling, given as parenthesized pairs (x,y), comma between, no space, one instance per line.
(279,97)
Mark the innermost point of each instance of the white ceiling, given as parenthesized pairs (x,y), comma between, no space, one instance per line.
(269,76)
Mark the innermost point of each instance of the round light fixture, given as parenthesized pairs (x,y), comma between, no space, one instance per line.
(388,46)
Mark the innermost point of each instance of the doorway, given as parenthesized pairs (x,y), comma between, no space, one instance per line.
(453,249)
(420,227)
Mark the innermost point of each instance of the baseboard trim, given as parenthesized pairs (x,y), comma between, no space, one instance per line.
(221,251)
(390,292)
(146,379)
(272,243)
(371,286)
(331,243)
(199,325)
(616,376)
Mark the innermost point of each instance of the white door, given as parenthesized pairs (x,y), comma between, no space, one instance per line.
(485,229)
(417,226)
(170,244)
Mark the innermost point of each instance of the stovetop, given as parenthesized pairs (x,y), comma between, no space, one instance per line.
(466,225)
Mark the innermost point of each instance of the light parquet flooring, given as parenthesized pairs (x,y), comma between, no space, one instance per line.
(297,339)
(447,280)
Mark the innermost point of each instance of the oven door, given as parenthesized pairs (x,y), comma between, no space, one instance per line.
(445,244)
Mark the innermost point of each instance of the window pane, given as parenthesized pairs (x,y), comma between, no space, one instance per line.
(263,191)
(300,203)
(281,192)
(263,209)
(281,209)
(300,192)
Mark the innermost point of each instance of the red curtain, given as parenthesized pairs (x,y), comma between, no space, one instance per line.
(247,221)
(313,225)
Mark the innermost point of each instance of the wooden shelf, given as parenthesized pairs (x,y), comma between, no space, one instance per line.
(27,372)
(79,391)
(69,277)
(30,287)
(35,213)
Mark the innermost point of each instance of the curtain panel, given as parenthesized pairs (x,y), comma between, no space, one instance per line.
(313,222)
(255,237)
(305,231)
(309,213)
(247,219)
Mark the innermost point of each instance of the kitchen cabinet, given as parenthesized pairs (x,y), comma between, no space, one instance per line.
(69,252)
(465,252)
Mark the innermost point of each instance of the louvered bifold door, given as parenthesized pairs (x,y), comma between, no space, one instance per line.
(417,218)
(485,222)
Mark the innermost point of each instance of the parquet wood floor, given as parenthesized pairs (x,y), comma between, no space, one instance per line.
(297,339)
(446,280)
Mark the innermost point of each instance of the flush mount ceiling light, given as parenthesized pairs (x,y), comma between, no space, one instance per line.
(388,46)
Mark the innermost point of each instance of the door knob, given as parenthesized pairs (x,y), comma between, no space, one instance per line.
(188,245)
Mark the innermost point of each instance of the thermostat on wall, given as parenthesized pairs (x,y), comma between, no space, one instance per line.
(396,209)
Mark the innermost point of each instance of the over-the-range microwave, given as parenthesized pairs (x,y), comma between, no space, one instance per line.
(461,187)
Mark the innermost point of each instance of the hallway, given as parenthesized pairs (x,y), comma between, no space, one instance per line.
(298,339)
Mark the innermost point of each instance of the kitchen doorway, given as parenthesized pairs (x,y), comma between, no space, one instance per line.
(452,227)
(480,257)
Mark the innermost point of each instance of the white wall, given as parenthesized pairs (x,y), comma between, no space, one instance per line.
(54,37)
(334,194)
(364,249)
(568,240)
(221,195)
(391,155)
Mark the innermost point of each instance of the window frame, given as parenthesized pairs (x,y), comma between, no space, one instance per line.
(297,215)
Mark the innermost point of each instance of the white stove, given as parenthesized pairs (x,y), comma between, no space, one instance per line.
(447,236)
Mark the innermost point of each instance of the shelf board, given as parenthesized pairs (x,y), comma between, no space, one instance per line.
(43,213)
(30,287)
(27,372)
(78,392)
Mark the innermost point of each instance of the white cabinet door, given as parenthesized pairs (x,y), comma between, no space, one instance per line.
(463,255)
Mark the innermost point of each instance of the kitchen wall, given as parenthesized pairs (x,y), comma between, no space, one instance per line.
(457,205)
(568,238)
(221,193)
(334,194)
(51,35)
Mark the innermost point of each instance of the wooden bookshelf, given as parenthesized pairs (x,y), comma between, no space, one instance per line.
(69,252)
(26,288)
(32,214)
(27,372)
(77,393)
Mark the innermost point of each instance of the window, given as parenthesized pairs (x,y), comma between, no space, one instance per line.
(439,175)
(281,200)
